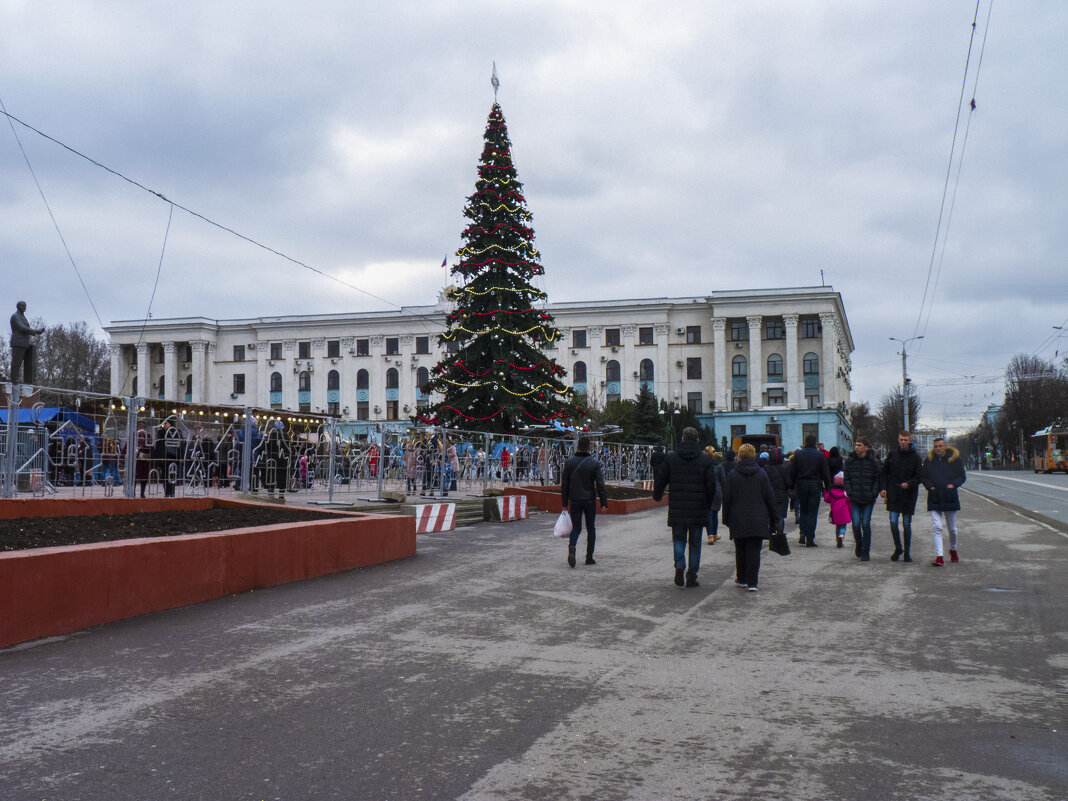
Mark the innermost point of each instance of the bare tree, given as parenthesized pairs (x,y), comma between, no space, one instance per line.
(890,418)
(1036,394)
(864,422)
(68,357)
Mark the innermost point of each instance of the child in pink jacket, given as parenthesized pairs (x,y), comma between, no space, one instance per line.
(841,516)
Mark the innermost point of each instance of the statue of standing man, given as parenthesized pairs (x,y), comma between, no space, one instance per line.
(23,353)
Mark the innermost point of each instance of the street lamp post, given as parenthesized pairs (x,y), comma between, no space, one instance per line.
(904,379)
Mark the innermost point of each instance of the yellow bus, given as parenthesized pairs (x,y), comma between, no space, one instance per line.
(1050,446)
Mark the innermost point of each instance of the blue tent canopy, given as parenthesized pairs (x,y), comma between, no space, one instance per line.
(49,414)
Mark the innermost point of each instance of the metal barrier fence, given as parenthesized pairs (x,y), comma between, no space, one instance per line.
(66,443)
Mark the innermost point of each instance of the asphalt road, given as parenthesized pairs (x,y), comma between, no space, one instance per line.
(485,668)
(1042,495)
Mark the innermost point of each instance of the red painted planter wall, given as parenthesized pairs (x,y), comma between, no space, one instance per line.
(548,500)
(48,591)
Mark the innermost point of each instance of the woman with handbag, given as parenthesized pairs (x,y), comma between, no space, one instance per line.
(749,511)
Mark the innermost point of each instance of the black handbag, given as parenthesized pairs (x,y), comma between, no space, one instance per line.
(779,543)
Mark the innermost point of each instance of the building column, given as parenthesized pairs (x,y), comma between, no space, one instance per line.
(116,369)
(829,362)
(144,371)
(661,336)
(261,396)
(628,361)
(170,371)
(199,348)
(795,385)
(721,368)
(348,367)
(756,362)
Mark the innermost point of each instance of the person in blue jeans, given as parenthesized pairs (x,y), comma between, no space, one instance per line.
(694,491)
(862,485)
(581,485)
(901,483)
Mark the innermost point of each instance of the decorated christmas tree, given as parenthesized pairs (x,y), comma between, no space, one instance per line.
(495,375)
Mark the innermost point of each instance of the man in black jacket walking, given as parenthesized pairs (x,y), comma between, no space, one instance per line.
(811,479)
(581,484)
(694,490)
(901,485)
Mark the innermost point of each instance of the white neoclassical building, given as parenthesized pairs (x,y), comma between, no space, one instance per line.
(748,361)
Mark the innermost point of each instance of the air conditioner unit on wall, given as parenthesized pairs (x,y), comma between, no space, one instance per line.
(251,346)
(680,330)
(352,350)
(678,364)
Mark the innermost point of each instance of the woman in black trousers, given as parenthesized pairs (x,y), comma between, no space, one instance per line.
(750,513)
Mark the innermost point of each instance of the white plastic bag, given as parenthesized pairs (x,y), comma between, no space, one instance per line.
(563,524)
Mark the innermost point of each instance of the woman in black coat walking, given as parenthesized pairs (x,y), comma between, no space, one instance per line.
(749,511)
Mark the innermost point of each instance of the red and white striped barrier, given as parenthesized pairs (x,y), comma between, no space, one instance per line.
(646,484)
(512,507)
(434,517)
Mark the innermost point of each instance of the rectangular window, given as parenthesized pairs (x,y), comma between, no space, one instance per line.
(773,329)
(737,431)
(693,401)
(276,351)
(693,335)
(422,344)
(160,356)
(775,396)
(775,429)
(452,346)
(304,350)
(392,346)
(392,409)
(363,411)
(611,337)
(810,430)
(645,336)
(304,407)
(812,398)
(693,367)
(239,383)
(333,348)
(810,327)
(187,353)
(239,353)
(740,401)
(363,348)
(333,407)
(739,331)
(578,338)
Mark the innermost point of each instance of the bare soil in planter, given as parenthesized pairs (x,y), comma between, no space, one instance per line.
(614,492)
(45,532)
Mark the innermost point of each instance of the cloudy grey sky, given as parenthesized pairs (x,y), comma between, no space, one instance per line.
(666,149)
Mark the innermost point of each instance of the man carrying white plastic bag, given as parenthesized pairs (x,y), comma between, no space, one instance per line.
(581,484)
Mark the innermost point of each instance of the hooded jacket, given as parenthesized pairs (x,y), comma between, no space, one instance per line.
(937,474)
(749,502)
(902,467)
(694,490)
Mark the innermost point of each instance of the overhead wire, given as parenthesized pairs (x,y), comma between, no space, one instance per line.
(48,206)
(204,218)
(928,290)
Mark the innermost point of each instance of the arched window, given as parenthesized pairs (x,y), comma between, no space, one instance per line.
(738,367)
(333,380)
(363,379)
(422,378)
(645,370)
(276,382)
(392,378)
(811,364)
(304,381)
(578,373)
(611,371)
(775,367)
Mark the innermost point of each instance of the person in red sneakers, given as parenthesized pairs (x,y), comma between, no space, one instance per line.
(941,475)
